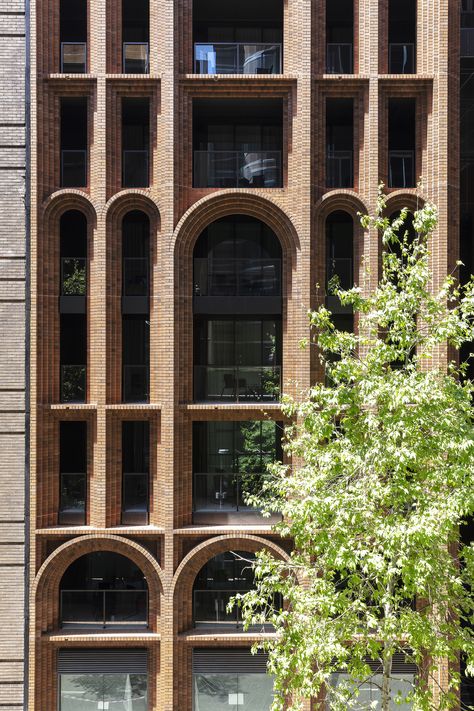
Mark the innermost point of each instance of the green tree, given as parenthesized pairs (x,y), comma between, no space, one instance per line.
(382,482)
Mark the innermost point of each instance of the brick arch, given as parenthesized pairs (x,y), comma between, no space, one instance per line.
(399,199)
(116,209)
(64,200)
(345,200)
(45,591)
(191,565)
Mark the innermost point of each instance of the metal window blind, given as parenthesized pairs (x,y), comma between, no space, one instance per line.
(228,661)
(400,665)
(102,661)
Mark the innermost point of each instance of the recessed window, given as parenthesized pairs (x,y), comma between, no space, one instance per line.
(339,36)
(339,143)
(401,143)
(135,143)
(73,357)
(74,142)
(135,36)
(135,472)
(402,36)
(339,265)
(73,36)
(72,472)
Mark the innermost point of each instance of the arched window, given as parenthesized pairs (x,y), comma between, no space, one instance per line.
(72,306)
(103,589)
(217,582)
(237,309)
(136,306)
(340,264)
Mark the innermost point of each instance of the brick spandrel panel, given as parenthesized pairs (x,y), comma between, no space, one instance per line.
(171,548)
(12,350)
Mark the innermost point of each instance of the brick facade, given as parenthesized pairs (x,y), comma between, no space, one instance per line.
(171,550)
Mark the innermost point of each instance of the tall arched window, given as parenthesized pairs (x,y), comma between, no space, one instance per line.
(72,306)
(135,307)
(237,311)
(103,589)
(340,264)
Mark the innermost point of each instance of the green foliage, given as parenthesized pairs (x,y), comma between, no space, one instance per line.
(383,479)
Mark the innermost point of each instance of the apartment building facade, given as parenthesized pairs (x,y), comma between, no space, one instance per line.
(196,170)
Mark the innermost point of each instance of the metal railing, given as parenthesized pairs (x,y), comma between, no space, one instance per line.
(135,276)
(210,607)
(73,57)
(401,172)
(135,169)
(74,168)
(339,58)
(237,58)
(73,276)
(135,57)
(73,383)
(224,491)
(339,169)
(238,384)
(401,58)
(104,608)
(135,383)
(237,169)
(237,277)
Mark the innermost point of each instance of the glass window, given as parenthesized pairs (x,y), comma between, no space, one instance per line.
(107,692)
(235,692)
(135,472)
(369,691)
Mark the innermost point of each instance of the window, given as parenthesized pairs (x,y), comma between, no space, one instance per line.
(233,679)
(104,679)
(135,143)
(339,36)
(340,264)
(135,358)
(73,357)
(135,472)
(402,680)
(402,36)
(339,143)
(402,142)
(73,36)
(238,359)
(73,142)
(72,472)
(73,267)
(135,36)
(230,460)
(103,590)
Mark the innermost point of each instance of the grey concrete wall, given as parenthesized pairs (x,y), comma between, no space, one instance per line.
(12,350)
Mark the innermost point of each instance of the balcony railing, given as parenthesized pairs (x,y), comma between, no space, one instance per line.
(224,492)
(135,276)
(135,170)
(210,607)
(73,57)
(237,277)
(237,58)
(339,170)
(73,168)
(401,58)
(237,384)
(467,42)
(135,58)
(72,504)
(73,276)
(401,169)
(339,58)
(104,608)
(237,169)
(73,383)
(135,383)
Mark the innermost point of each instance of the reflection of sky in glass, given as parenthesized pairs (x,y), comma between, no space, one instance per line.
(103,692)
(234,692)
(370,691)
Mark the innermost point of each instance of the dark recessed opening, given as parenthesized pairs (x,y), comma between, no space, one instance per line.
(135,472)
(135,36)
(339,36)
(402,142)
(339,143)
(402,36)
(73,354)
(72,472)
(135,142)
(73,142)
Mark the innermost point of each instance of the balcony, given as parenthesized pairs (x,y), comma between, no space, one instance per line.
(339,169)
(73,57)
(104,609)
(73,168)
(73,383)
(339,58)
(135,383)
(72,505)
(237,169)
(135,58)
(210,608)
(135,170)
(219,277)
(401,169)
(401,58)
(237,58)
(219,493)
(237,384)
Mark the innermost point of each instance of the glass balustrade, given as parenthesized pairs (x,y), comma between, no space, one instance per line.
(104,608)
(339,170)
(237,384)
(401,169)
(237,169)
(210,607)
(73,168)
(73,57)
(237,277)
(339,58)
(237,58)
(225,492)
(73,383)
(401,58)
(135,58)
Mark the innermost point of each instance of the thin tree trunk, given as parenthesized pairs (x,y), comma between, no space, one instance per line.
(387,676)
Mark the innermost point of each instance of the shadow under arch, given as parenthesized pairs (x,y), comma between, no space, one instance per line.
(398,199)
(183,580)
(62,201)
(128,201)
(44,597)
